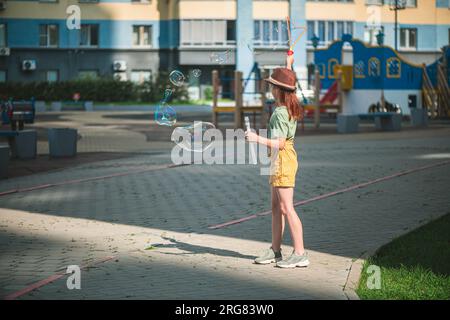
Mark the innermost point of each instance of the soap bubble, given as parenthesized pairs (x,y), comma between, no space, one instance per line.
(167,94)
(165,115)
(177,78)
(196,73)
(252,50)
(220,57)
(191,137)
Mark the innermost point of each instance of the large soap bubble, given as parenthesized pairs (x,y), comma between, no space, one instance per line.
(220,57)
(167,94)
(192,137)
(196,73)
(165,115)
(177,78)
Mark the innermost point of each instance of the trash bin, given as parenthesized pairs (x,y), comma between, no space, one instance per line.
(25,144)
(89,105)
(62,142)
(56,106)
(419,117)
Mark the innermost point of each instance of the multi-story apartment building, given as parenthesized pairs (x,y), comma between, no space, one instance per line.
(133,39)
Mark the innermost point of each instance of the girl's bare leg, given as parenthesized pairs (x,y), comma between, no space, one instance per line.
(277,222)
(286,201)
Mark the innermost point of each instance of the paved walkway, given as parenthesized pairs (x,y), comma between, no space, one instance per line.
(44,230)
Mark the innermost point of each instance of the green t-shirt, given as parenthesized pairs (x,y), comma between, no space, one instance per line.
(280,126)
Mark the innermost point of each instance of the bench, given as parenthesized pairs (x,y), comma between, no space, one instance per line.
(17,113)
(23,143)
(72,105)
(384,121)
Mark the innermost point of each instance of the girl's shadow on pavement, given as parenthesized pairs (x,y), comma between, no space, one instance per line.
(196,249)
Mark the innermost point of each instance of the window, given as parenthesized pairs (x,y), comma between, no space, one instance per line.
(374,2)
(330,32)
(275,27)
(411,3)
(266,31)
(332,0)
(142,36)
(3,42)
(349,27)
(256,30)
(340,29)
(270,32)
(231,30)
(407,3)
(140,76)
(310,26)
(321,31)
(48,35)
(283,30)
(393,66)
(88,74)
(359,69)
(207,32)
(408,38)
(374,67)
(51,75)
(2,76)
(89,35)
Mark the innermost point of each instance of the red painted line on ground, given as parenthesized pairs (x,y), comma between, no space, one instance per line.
(51,279)
(330,194)
(49,185)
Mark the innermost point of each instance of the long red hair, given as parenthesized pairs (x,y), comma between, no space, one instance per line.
(290,100)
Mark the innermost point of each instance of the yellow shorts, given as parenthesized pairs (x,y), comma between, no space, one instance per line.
(285,167)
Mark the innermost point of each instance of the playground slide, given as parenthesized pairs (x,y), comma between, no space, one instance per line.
(331,95)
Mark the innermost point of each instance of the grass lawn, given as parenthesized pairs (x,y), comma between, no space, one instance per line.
(414,266)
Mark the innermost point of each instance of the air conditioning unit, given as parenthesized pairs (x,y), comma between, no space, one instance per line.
(28,65)
(120,65)
(2,5)
(4,51)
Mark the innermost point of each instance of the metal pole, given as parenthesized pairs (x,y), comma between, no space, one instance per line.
(238,99)
(215,82)
(316,99)
(396,23)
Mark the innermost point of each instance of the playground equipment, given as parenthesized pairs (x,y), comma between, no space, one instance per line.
(331,100)
(435,86)
(237,107)
(359,79)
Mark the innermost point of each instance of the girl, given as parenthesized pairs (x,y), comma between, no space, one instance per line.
(282,127)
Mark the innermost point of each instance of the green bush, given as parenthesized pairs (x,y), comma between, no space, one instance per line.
(104,89)
(208,93)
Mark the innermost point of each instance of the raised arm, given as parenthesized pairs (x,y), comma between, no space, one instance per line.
(289,61)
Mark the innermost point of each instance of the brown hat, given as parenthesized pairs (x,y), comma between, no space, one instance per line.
(284,78)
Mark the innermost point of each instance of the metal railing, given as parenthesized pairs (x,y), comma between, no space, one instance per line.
(428,93)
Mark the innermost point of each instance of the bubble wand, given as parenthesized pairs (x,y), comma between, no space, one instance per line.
(288,27)
(251,144)
(292,45)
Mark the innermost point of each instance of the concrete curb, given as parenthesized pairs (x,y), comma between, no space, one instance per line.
(354,275)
